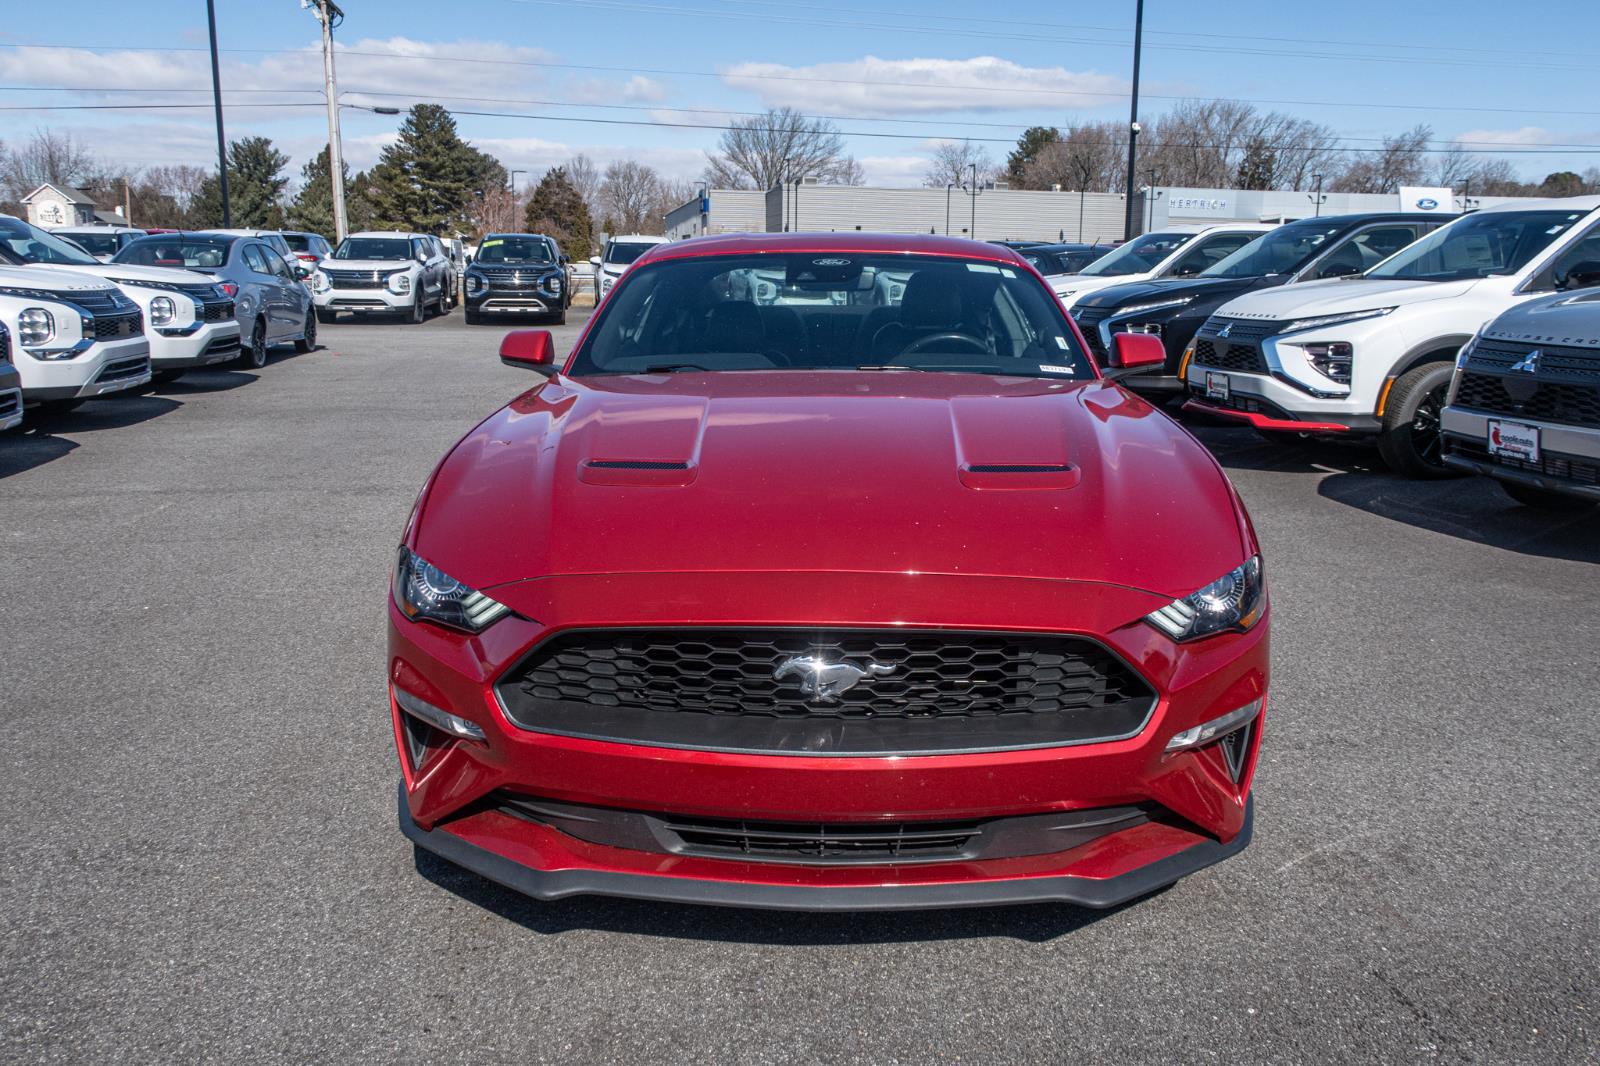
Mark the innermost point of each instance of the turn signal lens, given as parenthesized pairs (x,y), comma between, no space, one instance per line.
(440,719)
(1215,729)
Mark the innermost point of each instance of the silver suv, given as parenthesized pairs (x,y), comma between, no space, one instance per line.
(385,272)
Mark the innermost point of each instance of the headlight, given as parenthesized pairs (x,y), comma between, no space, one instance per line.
(399,284)
(35,327)
(1331,320)
(1234,601)
(319,280)
(162,311)
(424,592)
(1332,361)
(476,283)
(553,283)
(1157,305)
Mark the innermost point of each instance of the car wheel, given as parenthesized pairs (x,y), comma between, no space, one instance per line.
(1408,438)
(472,317)
(308,342)
(444,302)
(417,312)
(254,355)
(327,317)
(559,318)
(1544,499)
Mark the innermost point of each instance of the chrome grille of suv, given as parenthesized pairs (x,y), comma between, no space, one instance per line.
(356,279)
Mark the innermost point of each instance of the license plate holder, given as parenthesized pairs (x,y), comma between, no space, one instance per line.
(1513,440)
(1218,387)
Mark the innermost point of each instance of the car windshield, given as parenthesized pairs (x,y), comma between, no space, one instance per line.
(1139,256)
(1283,251)
(23,244)
(299,242)
(810,311)
(514,250)
(1476,246)
(373,248)
(625,252)
(94,243)
(205,253)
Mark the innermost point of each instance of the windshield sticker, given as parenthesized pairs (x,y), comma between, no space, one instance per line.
(1008,272)
(491,244)
(983,268)
(1046,368)
(1061,342)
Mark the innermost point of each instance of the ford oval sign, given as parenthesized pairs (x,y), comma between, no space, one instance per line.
(1427,203)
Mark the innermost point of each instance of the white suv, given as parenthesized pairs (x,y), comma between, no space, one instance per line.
(619,255)
(1173,252)
(189,319)
(72,337)
(1373,354)
(384,272)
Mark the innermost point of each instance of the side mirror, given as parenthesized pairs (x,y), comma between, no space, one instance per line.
(594,260)
(565,259)
(1582,275)
(1184,272)
(1137,351)
(302,271)
(529,349)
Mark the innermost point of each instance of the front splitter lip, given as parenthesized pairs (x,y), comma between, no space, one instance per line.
(1098,893)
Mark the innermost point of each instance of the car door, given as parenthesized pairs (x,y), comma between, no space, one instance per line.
(267,266)
(292,296)
(262,285)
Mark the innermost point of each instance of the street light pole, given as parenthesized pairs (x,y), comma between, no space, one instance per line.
(1150,198)
(947,187)
(216,95)
(1317,197)
(327,13)
(512,223)
(1133,118)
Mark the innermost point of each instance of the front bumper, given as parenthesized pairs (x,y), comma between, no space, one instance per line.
(451,801)
(105,366)
(10,397)
(368,301)
(1267,403)
(1569,461)
(212,342)
(514,302)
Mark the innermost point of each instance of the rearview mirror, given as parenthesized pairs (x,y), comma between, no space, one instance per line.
(1582,275)
(1137,351)
(529,349)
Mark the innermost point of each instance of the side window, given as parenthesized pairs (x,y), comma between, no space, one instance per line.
(419,247)
(1575,268)
(255,260)
(1365,250)
(279,265)
(1209,251)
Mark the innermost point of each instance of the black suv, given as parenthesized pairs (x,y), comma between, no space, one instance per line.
(517,275)
(1333,246)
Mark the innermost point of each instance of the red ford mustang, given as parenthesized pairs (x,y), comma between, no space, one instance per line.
(829,572)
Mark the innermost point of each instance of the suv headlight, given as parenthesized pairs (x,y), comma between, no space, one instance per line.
(1333,320)
(35,327)
(1156,305)
(553,283)
(399,284)
(162,311)
(476,283)
(319,281)
(1235,601)
(424,592)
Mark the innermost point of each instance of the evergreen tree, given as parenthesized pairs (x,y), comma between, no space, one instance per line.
(1034,140)
(425,181)
(358,203)
(255,187)
(1259,167)
(558,211)
(312,208)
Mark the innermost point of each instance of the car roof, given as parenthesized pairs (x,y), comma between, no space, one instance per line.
(859,243)
(502,236)
(385,233)
(1375,216)
(97,227)
(645,238)
(1563,203)
(238,232)
(184,234)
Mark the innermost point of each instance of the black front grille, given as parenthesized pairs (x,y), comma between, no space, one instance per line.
(515,280)
(10,402)
(931,691)
(1088,320)
(110,327)
(99,301)
(894,842)
(1245,358)
(1551,464)
(217,312)
(5,345)
(1560,361)
(125,368)
(356,279)
(1244,329)
(1528,397)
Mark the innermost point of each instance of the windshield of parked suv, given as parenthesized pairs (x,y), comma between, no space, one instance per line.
(23,244)
(1283,251)
(1138,256)
(205,253)
(832,311)
(514,250)
(94,243)
(1476,246)
(373,248)
(625,252)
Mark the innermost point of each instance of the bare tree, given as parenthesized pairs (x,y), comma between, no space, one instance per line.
(1090,157)
(585,177)
(779,146)
(631,195)
(48,156)
(953,161)
(1401,161)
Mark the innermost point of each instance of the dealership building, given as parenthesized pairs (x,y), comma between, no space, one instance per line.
(1001,213)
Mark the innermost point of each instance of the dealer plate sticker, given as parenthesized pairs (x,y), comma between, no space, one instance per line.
(1218,387)
(1514,440)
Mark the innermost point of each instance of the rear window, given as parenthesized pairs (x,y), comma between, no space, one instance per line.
(94,243)
(202,252)
(625,252)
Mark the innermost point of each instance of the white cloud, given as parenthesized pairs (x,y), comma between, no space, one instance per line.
(886,87)
(894,171)
(1474,139)
(643,90)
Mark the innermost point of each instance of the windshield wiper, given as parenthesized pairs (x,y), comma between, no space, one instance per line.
(667,368)
(894,366)
(935,368)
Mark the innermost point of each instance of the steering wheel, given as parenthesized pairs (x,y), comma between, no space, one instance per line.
(972,343)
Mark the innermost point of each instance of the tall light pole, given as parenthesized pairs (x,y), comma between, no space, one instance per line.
(216,95)
(1133,117)
(1316,198)
(512,224)
(1150,197)
(329,15)
(974,192)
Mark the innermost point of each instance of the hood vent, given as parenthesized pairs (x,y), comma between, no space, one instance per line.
(1019,468)
(984,476)
(635,464)
(670,473)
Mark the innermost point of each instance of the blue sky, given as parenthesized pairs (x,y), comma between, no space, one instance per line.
(897,75)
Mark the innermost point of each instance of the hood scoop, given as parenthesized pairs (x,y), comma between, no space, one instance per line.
(1019,475)
(641,472)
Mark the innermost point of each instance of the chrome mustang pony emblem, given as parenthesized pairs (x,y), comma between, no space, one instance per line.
(824,682)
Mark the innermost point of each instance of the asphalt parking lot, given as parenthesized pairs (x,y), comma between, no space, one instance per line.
(201,860)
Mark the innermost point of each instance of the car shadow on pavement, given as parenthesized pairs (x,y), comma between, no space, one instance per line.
(1035,922)
(37,441)
(221,379)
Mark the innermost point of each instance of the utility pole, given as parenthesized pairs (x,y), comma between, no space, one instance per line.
(216,96)
(512,224)
(947,187)
(1317,197)
(974,192)
(329,15)
(1150,196)
(1133,118)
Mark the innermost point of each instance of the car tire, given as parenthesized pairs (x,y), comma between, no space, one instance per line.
(327,318)
(1544,499)
(559,318)
(472,317)
(254,355)
(1408,437)
(416,313)
(444,302)
(308,339)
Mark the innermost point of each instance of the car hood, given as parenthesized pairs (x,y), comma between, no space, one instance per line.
(1336,296)
(366,264)
(1571,320)
(1136,292)
(848,472)
(1083,284)
(51,278)
(135,273)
